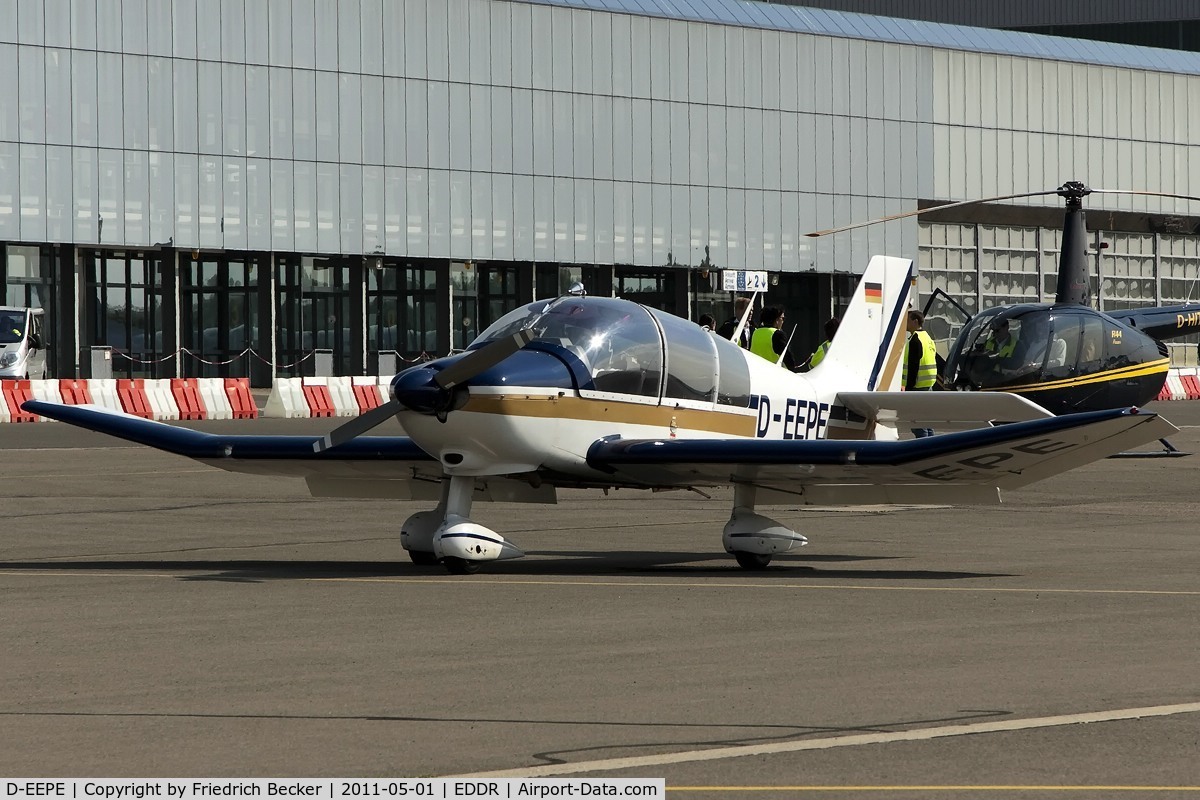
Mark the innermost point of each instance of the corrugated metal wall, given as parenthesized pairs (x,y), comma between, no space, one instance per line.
(1017,13)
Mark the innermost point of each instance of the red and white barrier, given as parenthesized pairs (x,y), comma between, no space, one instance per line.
(161,399)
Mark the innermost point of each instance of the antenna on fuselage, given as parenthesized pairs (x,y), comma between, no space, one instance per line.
(741,326)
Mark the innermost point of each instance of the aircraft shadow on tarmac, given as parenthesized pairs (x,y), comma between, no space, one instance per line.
(543,563)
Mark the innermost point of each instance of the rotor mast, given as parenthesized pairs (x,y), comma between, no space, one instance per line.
(1074,281)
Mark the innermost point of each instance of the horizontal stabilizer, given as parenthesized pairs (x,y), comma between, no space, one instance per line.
(942,410)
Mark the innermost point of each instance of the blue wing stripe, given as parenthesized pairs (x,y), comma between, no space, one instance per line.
(197,444)
(614,451)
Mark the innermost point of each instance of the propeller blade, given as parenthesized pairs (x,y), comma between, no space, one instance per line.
(828,231)
(482,359)
(357,426)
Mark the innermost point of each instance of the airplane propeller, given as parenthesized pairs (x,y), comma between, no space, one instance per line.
(426,390)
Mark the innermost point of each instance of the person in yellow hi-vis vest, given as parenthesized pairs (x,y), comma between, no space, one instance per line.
(831,326)
(768,340)
(920,362)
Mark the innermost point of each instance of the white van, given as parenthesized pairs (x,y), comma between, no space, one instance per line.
(22,342)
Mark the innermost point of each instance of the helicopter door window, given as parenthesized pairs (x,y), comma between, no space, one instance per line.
(1064,346)
(1091,347)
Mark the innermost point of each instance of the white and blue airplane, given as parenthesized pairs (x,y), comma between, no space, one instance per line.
(599,392)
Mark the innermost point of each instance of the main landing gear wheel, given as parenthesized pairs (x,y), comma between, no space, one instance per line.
(461,566)
(423,558)
(752,561)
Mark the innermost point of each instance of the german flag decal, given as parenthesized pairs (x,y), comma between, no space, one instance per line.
(873,292)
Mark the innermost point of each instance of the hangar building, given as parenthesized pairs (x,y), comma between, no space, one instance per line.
(220,187)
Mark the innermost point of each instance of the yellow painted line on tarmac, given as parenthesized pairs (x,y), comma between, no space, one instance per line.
(466,582)
(830,742)
(949,788)
(632,582)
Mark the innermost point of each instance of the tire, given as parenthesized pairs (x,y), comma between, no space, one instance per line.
(752,561)
(423,558)
(461,566)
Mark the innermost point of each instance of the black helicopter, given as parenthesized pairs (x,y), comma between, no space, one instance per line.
(1066,356)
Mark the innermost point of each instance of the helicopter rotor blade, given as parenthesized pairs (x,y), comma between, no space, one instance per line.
(1145,193)
(902,215)
(482,359)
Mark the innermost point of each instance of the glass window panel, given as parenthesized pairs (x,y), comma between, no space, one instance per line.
(304,116)
(83,192)
(233,108)
(304,192)
(523,123)
(417,212)
(161,197)
(58,96)
(328,207)
(394,30)
(372,120)
(210,206)
(279,32)
(108,26)
(233,199)
(33,192)
(383,210)
(371,36)
(282,204)
(9,91)
(427,121)
(642,126)
(458,123)
(520,44)
(31,90)
(187,231)
(622,224)
(304,36)
(281,112)
(111,197)
(350,209)
(137,199)
(523,217)
(348,14)
(254,20)
(160,127)
(59,227)
(327,23)
(185,116)
(209,91)
(394,118)
(427,39)
(327,120)
(351,118)
(498,139)
(500,222)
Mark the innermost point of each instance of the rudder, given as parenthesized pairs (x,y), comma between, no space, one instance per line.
(869,343)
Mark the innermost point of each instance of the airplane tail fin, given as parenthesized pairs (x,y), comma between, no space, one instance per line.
(869,343)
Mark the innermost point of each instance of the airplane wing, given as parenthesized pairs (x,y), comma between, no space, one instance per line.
(940,410)
(968,466)
(384,467)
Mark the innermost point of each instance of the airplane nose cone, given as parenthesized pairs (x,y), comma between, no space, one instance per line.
(415,389)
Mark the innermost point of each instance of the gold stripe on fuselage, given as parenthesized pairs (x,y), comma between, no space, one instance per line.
(1135,371)
(619,412)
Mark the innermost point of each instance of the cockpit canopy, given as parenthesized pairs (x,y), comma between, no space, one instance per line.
(1018,345)
(616,346)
